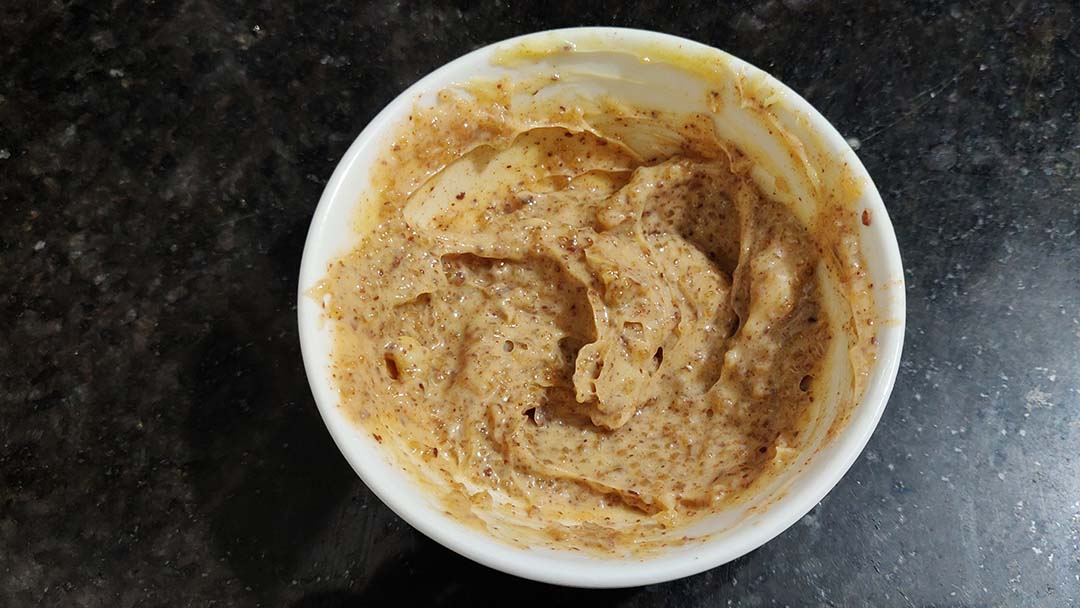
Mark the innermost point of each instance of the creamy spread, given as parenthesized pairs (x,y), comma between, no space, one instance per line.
(571,331)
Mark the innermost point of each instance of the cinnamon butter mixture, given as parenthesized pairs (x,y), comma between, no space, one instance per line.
(574,334)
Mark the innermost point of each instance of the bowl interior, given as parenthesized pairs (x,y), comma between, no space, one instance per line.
(650,70)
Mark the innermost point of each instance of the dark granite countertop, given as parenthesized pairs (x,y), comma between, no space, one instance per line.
(159,165)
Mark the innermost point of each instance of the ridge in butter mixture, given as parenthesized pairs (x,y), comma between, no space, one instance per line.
(575,336)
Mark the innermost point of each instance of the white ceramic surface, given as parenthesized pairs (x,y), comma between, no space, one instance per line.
(730,534)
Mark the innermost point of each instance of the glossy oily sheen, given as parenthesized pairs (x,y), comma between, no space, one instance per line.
(585,333)
(678,106)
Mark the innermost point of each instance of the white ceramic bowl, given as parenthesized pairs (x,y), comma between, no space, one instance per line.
(602,54)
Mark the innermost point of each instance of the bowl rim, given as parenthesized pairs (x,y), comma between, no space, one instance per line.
(476,544)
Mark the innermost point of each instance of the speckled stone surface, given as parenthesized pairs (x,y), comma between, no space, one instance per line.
(159,165)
